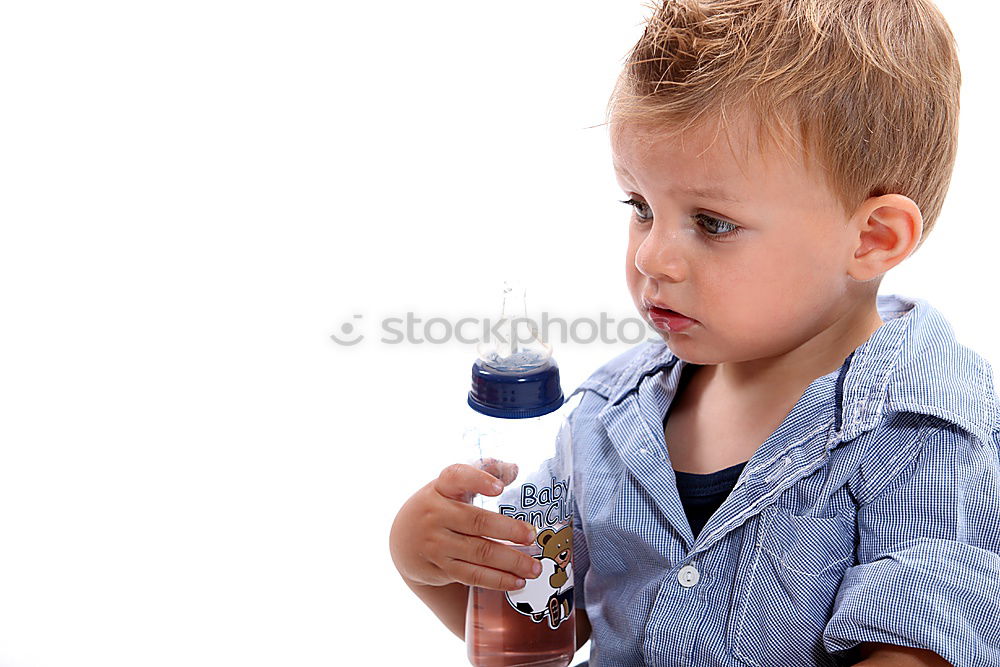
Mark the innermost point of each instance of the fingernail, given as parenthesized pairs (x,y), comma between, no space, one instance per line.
(536,567)
(497,487)
(519,583)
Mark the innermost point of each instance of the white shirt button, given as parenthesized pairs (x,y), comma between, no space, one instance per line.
(688,576)
(644,451)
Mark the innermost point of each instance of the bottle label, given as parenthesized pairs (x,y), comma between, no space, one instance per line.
(549,597)
(546,506)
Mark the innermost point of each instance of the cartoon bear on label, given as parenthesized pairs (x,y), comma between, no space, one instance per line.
(550,594)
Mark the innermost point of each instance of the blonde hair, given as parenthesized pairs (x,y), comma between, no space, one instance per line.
(866,89)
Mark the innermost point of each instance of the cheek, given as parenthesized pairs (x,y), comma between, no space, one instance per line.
(634,247)
(630,269)
(784,288)
(767,283)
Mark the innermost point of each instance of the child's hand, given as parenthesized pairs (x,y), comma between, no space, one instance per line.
(438,538)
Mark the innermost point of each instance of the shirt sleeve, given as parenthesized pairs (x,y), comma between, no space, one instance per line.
(928,554)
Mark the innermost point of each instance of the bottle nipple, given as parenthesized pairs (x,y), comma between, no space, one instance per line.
(517,347)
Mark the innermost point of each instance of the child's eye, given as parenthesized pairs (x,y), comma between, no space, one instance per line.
(641,208)
(714,227)
(710,224)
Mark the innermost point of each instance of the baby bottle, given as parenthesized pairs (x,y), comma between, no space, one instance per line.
(519,433)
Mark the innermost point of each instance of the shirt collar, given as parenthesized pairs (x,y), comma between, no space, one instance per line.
(912,363)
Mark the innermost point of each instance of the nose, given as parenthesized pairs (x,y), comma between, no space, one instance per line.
(659,255)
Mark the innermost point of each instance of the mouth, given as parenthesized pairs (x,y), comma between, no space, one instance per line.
(667,319)
(662,309)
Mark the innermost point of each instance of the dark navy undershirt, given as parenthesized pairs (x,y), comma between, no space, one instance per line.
(701,494)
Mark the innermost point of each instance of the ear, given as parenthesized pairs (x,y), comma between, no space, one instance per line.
(888,229)
(545,536)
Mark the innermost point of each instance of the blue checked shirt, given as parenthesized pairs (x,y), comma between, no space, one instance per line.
(871,514)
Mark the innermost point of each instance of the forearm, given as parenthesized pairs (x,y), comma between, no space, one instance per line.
(899,661)
(889,655)
(447,602)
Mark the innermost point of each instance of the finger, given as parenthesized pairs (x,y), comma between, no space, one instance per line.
(460,481)
(483,577)
(508,473)
(479,522)
(496,556)
(502,470)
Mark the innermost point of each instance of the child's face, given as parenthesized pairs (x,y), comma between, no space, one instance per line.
(775,283)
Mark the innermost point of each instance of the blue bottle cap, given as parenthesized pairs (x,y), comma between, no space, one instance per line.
(515,393)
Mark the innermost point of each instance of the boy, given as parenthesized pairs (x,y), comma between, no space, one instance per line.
(802,472)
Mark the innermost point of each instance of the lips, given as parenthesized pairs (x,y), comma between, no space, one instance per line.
(667,319)
(664,309)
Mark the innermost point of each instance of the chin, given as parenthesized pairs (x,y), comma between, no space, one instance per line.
(692,356)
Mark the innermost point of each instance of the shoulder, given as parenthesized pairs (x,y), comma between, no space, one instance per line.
(921,367)
(930,447)
(614,378)
(913,391)
(613,375)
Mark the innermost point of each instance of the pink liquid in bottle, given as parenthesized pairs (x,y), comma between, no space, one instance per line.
(521,628)
(502,637)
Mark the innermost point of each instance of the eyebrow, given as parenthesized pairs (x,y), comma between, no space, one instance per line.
(712,193)
(706,192)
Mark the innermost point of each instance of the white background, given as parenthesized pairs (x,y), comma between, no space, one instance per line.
(195,195)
